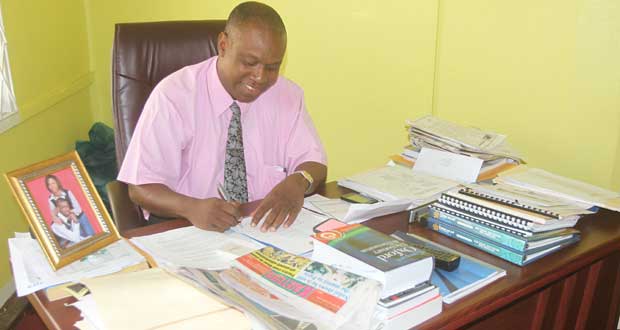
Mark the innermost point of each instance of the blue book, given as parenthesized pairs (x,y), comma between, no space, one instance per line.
(471,275)
(471,239)
(497,234)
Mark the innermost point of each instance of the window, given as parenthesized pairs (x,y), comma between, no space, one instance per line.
(9,116)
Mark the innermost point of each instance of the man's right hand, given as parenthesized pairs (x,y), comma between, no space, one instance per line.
(214,214)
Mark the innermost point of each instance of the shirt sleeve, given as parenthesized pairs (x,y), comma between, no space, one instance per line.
(77,210)
(72,235)
(154,154)
(304,144)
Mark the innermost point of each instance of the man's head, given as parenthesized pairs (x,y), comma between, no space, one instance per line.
(251,49)
(63,207)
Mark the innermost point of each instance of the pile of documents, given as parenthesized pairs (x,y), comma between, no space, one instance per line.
(32,271)
(434,133)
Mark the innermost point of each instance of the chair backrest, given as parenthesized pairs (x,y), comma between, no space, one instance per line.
(143,54)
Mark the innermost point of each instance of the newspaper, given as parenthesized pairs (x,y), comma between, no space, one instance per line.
(328,297)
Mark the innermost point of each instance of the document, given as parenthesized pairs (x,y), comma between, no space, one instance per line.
(32,271)
(194,247)
(361,212)
(448,165)
(390,183)
(334,207)
(466,136)
(154,292)
(559,186)
(294,239)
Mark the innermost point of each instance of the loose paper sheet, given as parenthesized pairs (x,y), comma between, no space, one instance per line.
(194,247)
(448,165)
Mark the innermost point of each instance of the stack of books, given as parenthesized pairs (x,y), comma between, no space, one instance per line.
(505,227)
(407,297)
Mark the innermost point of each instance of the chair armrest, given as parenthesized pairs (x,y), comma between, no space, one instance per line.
(125,213)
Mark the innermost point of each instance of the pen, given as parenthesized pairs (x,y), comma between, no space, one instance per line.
(222,192)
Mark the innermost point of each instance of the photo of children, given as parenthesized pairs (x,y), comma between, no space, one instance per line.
(64,207)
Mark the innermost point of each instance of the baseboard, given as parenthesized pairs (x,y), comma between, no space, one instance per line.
(6,292)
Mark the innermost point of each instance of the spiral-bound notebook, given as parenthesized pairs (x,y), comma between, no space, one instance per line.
(503,214)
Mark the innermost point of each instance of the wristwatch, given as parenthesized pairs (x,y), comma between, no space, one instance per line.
(308,178)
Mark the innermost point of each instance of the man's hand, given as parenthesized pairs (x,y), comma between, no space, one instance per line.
(73,218)
(213,214)
(283,203)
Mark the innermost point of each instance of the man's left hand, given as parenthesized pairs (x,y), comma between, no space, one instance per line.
(282,204)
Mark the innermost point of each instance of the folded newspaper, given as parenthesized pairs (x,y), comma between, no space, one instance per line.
(302,289)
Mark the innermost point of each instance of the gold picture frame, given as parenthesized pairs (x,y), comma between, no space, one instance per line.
(63,208)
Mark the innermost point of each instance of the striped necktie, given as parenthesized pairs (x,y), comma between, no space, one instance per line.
(235,178)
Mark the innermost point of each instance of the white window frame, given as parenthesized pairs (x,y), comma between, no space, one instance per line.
(9,114)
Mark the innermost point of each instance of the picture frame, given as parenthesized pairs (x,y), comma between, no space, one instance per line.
(63,209)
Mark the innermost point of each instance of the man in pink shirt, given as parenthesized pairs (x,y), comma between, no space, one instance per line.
(184,141)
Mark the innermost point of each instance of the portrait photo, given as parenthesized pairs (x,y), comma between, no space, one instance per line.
(63,208)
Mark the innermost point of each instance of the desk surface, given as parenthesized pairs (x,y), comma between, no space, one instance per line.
(577,287)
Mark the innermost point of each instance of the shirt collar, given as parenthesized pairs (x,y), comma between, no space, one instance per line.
(220,99)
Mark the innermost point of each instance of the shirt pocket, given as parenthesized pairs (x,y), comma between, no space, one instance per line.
(270,176)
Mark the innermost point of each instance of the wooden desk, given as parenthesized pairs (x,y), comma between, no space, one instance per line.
(575,288)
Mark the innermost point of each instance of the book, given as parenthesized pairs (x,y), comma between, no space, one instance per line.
(356,248)
(469,206)
(496,233)
(471,275)
(324,293)
(520,259)
(411,317)
(402,302)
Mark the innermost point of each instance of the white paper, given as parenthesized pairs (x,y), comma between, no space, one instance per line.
(294,239)
(194,247)
(448,165)
(32,271)
(361,212)
(90,314)
(336,208)
(391,183)
(467,136)
(556,185)
(158,300)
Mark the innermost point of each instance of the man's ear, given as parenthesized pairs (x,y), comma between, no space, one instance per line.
(222,43)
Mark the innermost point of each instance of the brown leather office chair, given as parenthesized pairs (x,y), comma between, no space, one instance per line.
(143,54)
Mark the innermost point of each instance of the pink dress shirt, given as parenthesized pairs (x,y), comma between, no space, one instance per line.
(180,138)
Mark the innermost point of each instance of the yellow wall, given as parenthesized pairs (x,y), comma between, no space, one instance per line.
(546,73)
(365,66)
(49,60)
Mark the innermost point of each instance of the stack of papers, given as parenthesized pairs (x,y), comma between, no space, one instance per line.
(32,271)
(391,183)
(432,132)
(195,248)
(353,213)
(560,187)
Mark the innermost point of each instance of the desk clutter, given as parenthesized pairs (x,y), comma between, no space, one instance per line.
(514,212)
(328,271)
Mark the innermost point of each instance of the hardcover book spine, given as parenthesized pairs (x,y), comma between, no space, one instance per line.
(476,242)
(489,233)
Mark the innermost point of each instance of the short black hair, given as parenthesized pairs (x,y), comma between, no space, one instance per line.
(256,12)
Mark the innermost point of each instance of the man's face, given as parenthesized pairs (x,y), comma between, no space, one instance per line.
(249,60)
(64,208)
